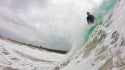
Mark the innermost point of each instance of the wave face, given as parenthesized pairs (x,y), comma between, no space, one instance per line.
(104,48)
(99,14)
(103,45)
(55,24)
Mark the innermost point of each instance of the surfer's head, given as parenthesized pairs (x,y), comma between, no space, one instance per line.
(88,13)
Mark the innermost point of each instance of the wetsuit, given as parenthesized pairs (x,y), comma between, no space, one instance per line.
(90,19)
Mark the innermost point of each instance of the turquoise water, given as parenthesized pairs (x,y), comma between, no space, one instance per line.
(104,9)
(99,14)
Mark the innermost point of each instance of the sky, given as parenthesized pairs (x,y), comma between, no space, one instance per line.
(56,24)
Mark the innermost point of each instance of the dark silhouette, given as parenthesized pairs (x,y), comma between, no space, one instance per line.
(90,18)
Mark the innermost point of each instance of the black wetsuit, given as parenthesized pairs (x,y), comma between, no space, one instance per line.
(90,19)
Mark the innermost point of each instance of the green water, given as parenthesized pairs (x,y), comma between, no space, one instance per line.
(99,14)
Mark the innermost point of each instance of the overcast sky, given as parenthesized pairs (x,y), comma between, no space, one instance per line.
(50,23)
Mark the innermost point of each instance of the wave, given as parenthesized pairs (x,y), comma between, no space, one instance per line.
(100,13)
(104,47)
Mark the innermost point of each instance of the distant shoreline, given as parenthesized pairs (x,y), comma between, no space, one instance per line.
(41,48)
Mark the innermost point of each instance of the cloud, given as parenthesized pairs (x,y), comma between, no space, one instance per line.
(51,23)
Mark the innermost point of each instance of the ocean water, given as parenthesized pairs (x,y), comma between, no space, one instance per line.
(104,48)
(99,13)
(102,44)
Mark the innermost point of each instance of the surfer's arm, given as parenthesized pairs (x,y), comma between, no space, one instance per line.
(88,21)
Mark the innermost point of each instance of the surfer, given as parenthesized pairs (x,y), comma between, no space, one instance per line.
(90,18)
